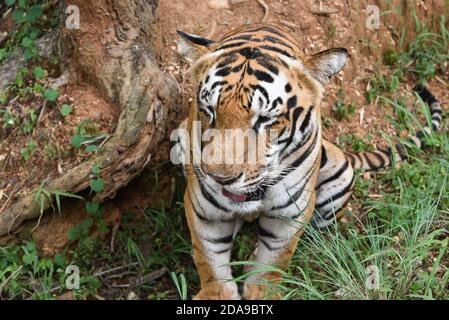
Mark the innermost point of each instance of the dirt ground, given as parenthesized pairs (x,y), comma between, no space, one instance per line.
(316,31)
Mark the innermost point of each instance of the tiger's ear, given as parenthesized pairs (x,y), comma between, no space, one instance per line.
(191,46)
(325,64)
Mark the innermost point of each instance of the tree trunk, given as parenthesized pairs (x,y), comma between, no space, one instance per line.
(112,51)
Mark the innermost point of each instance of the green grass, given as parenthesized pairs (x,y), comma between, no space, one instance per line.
(404,236)
(423,58)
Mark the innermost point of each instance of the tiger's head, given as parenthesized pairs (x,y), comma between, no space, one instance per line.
(255,83)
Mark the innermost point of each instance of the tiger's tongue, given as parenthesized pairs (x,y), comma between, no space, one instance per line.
(235,197)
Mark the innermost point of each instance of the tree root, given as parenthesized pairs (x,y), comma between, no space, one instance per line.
(129,77)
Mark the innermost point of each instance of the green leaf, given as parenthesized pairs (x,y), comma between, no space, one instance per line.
(92,207)
(10,2)
(34,33)
(34,13)
(96,169)
(27,42)
(66,110)
(77,140)
(103,227)
(59,260)
(39,73)
(74,233)
(18,15)
(92,148)
(85,227)
(51,94)
(29,53)
(97,185)
(38,88)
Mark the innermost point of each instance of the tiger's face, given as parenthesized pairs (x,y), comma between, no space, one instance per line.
(257,95)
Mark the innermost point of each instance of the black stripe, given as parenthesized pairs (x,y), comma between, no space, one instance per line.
(223,72)
(275,103)
(250,53)
(222,251)
(262,90)
(369,161)
(292,199)
(264,63)
(325,215)
(226,239)
(421,134)
(195,39)
(241,37)
(336,196)
(265,233)
(238,68)
(434,126)
(266,244)
(336,175)
(228,59)
(323,157)
(194,201)
(351,159)
(305,123)
(291,102)
(263,76)
(305,154)
(210,198)
(218,83)
(275,49)
(380,159)
(261,120)
(231,45)
(425,94)
(295,116)
(277,41)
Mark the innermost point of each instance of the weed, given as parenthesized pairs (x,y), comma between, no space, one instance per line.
(343,111)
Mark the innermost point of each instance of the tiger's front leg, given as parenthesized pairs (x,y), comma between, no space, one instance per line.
(278,239)
(211,244)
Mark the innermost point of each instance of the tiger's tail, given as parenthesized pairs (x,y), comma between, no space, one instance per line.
(384,158)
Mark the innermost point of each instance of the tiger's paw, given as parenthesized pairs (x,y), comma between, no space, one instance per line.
(218,291)
(257,287)
(260,292)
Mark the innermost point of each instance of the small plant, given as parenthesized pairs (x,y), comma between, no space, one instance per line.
(29,122)
(28,26)
(343,111)
(87,134)
(51,94)
(181,285)
(28,150)
(356,143)
(390,57)
(8,118)
(66,110)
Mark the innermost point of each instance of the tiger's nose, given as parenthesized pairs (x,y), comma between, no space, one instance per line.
(225,180)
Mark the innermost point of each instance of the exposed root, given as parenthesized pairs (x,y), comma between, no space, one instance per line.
(266,10)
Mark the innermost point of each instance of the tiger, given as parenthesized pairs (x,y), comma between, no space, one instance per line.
(258,78)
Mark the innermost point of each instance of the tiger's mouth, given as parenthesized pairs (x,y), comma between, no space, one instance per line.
(256,195)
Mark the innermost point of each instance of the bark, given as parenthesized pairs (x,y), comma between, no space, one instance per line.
(113,52)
